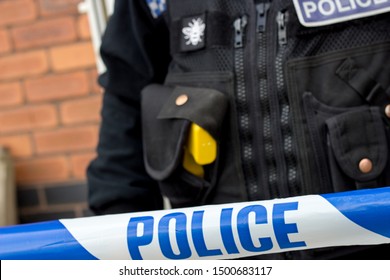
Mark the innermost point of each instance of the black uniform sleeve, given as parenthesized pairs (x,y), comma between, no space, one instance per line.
(135,50)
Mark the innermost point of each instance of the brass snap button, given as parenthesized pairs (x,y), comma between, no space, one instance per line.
(365,165)
(387,111)
(181,99)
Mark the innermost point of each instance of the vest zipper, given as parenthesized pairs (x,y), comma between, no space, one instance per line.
(281,20)
(239,30)
(272,102)
(284,105)
(245,132)
(264,100)
(261,12)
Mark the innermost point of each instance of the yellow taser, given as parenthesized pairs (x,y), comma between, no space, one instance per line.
(201,149)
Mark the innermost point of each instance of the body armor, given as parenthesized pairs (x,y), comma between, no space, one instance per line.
(294,109)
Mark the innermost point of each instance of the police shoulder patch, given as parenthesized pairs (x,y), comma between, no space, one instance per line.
(313,13)
(157,7)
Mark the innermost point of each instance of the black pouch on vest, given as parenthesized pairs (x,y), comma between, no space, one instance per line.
(338,99)
(165,127)
(357,149)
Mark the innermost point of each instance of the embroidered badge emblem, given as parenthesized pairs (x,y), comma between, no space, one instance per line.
(194,33)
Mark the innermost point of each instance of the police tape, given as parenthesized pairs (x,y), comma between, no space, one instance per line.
(225,231)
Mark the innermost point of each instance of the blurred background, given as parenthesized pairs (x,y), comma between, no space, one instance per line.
(49,106)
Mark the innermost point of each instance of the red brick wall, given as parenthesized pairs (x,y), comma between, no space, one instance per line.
(49,104)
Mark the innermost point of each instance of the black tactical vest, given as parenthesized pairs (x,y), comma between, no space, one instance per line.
(296,108)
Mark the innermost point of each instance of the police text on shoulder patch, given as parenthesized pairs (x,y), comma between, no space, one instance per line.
(313,13)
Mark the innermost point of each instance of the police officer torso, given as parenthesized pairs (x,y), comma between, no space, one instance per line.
(295,95)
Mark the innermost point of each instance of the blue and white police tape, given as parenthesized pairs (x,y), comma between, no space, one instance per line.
(210,232)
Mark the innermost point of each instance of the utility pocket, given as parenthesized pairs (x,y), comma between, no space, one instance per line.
(338,101)
(357,149)
(167,116)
